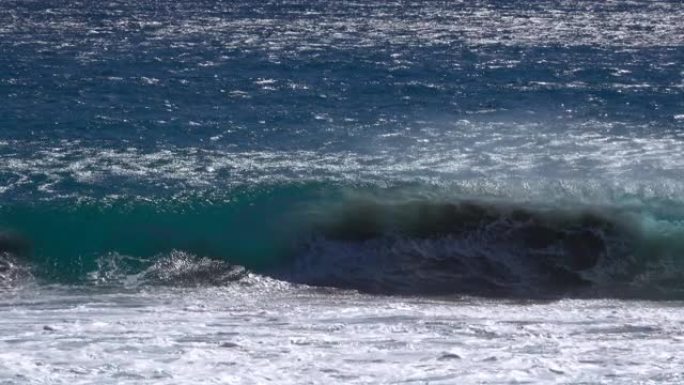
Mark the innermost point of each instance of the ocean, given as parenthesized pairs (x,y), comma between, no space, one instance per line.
(309,191)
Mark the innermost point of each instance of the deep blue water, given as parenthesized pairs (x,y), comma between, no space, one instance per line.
(299,130)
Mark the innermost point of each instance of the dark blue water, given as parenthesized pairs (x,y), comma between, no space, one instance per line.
(525,140)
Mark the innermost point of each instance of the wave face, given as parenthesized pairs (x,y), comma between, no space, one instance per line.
(378,242)
(493,248)
(65,239)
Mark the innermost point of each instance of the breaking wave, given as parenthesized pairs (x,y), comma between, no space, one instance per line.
(176,268)
(376,243)
(13,272)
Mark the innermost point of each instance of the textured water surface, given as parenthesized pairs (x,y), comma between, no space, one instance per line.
(161,97)
(341,192)
(272,333)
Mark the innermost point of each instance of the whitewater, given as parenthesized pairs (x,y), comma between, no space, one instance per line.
(341,192)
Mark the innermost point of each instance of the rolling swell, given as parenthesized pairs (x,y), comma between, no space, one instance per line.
(380,244)
(469,247)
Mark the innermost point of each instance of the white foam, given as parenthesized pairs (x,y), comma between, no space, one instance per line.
(247,335)
(467,153)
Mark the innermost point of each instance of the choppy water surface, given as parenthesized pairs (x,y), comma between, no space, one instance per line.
(341,192)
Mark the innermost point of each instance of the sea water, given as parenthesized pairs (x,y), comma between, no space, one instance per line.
(341,192)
